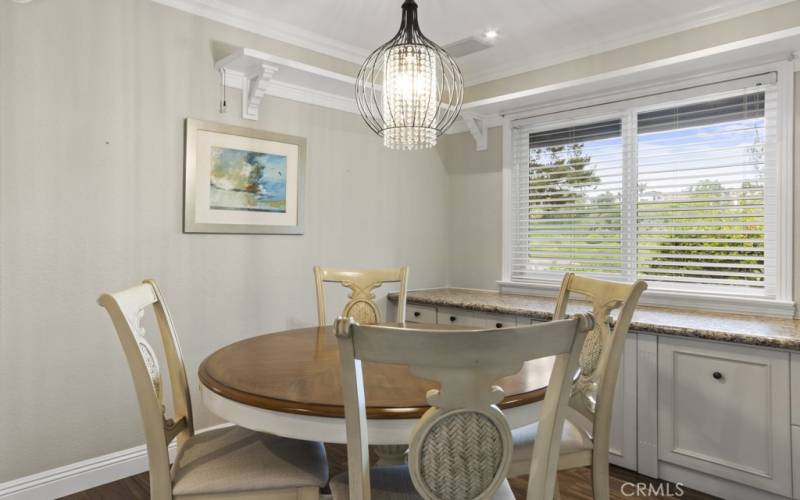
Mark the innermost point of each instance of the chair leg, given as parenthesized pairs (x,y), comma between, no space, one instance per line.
(600,487)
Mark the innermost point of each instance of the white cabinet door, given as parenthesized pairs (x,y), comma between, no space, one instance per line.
(794,368)
(623,440)
(724,410)
(796,460)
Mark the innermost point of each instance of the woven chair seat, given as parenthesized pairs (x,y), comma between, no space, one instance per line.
(394,483)
(573,439)
(234,459)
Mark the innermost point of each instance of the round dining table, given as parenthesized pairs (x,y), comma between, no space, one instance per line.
(287,383)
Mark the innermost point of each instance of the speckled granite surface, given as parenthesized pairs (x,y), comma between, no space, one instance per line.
(726,327)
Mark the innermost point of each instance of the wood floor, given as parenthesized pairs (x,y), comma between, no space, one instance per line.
(574,484)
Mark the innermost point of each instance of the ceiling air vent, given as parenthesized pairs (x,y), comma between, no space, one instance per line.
(467,46)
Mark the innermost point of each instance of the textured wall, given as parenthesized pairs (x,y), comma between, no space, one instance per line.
(94,93)
(476,202)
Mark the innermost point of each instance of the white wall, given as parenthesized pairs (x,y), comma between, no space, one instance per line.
(475,231)
(94,94)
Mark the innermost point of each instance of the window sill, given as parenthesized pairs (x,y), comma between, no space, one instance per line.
(697,301)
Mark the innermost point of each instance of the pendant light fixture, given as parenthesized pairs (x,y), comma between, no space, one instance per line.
(409,91)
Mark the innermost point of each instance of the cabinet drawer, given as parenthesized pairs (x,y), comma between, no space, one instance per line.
(497,320)
(455,316)
(723,410)
(420,314)
(461,317)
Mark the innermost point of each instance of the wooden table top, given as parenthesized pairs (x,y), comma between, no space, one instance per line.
(297,371)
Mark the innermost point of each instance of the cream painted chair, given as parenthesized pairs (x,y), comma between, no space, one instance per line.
(462,446)
(232,462)
(362,282)
(585,438)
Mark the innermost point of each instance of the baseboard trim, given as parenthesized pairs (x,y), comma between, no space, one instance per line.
(83,475)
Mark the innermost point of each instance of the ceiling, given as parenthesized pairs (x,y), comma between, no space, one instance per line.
(533,33)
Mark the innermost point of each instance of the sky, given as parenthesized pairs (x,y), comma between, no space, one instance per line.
(719,152)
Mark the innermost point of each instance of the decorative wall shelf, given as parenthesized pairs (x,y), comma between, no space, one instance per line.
(258,74)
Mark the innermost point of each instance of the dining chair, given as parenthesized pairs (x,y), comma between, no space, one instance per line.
(361,305)
(462,446)
(231,462)
(585,437)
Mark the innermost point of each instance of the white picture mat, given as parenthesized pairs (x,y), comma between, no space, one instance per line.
(203,214)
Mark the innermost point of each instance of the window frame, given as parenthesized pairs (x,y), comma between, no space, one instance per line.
(626,105)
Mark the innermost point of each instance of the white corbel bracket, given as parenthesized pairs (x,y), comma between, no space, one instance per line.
(254,87)
(478,127)
(258,74)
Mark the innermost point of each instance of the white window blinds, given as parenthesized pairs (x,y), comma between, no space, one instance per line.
(680,194)
(568,200)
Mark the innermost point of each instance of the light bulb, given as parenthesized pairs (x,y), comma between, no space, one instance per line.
(410,98)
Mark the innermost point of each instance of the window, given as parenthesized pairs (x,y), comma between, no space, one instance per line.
(678,190)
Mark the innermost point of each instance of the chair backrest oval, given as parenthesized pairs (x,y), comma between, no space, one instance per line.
(126,309)
(361,305)
(464,415)
(483,440)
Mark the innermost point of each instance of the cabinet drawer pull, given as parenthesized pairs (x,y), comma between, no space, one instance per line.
(416,314)
(452,318)
(717,375)
(499,325)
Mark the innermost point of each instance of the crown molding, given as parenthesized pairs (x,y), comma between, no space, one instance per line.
(245,19)
(642,33)
(248,20)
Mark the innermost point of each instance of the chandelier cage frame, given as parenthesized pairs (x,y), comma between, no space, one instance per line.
(419,128)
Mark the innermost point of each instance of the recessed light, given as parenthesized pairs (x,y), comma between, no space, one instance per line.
(491,34)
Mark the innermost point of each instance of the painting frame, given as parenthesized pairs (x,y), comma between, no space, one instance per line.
(199,215)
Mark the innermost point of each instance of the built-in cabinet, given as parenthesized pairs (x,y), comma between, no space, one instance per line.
(723,410)
(716,416)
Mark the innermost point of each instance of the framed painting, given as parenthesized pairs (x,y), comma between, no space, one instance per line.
(240,180)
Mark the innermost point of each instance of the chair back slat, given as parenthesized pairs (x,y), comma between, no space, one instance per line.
(461,448)
(361,305)
(126,310)
(593,391)
(419,347)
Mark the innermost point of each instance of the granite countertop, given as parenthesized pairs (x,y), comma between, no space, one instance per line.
(742,329)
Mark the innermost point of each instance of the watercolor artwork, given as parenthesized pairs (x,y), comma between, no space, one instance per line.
(247,180)
(242,181)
